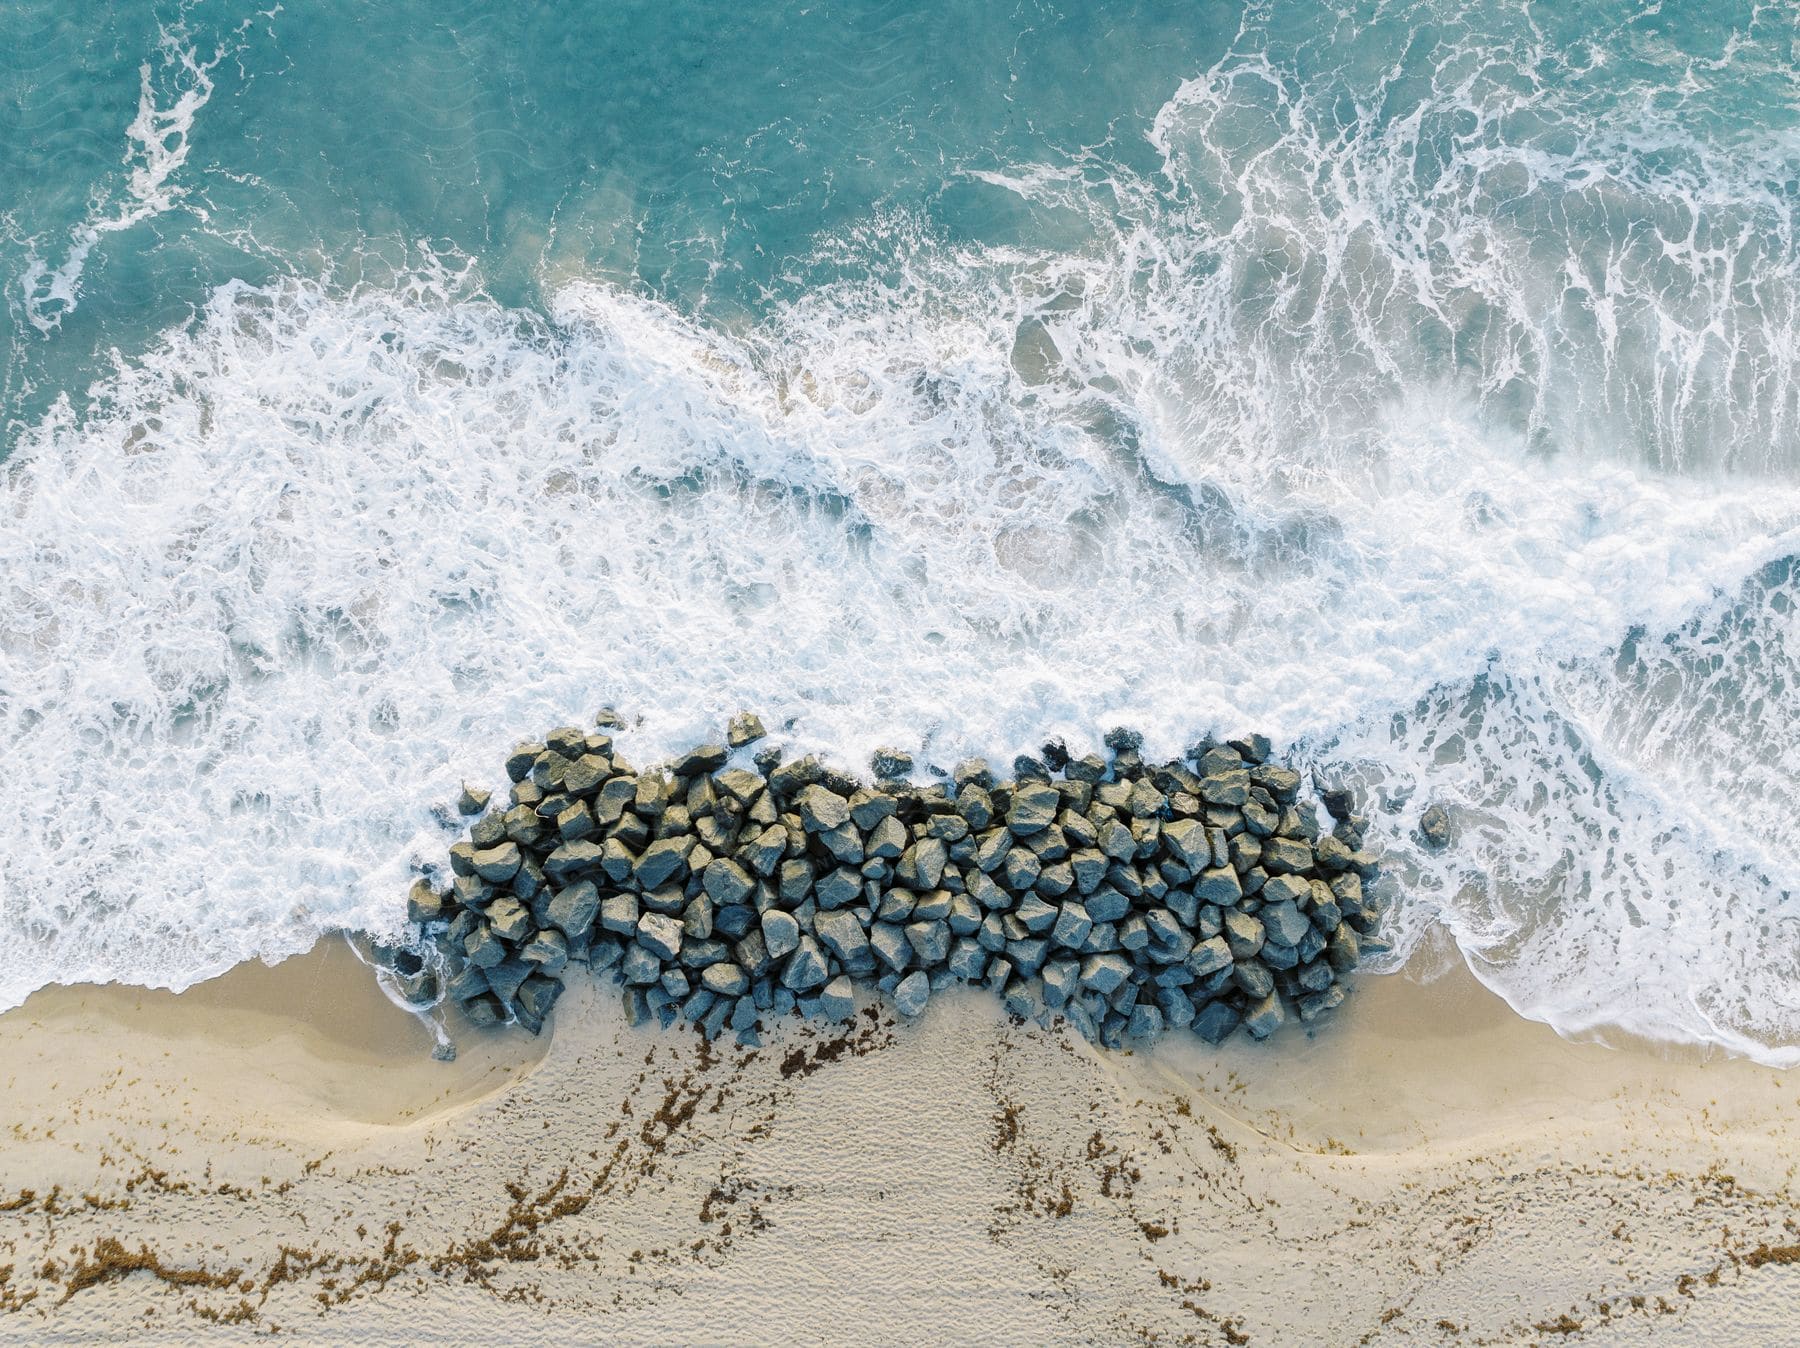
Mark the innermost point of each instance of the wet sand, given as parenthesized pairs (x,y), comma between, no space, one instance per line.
(277,1153)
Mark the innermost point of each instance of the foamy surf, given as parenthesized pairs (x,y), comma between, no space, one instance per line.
(314,559)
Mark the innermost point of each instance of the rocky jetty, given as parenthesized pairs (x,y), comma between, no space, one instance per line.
(730,886)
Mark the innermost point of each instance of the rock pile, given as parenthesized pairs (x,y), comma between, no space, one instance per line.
(730,886)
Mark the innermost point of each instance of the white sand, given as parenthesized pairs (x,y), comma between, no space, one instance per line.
(1429,1169)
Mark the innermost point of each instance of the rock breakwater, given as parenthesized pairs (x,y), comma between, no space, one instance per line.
(730,886)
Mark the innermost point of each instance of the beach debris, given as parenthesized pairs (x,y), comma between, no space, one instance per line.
(727,888)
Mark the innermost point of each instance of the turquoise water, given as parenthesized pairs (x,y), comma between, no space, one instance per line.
(1416,382)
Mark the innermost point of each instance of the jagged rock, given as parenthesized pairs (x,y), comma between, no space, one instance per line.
(660,934)
(912,994)
(1284,923)
(1434,826)
(726,881)
(1104,973)
(821,809)
(1034,807)
(473,800)
(745,728)
(1216,1021)
(499,864)
(423,903)
(725,979)
(1262,1018)
(1244,934)
(1220,886)
(1286,855)
(484,949)
(509,920)
(781,933)
(838,1000)
(843,936)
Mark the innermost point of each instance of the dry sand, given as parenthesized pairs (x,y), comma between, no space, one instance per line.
(276,1153)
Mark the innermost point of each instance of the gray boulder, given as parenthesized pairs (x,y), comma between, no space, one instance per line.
(726,881)
(843,936)
(821,809)
(572,909)
(1284,922)
(806,968)
(781,933)
(1104,973)
(1216,1021)
(1034,807)
(1434,826)
(838,1000)
(660,934)
(912,994)
(1262,1018)
(499,864)
(1244,934)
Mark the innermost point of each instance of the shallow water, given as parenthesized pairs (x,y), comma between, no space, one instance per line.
(1415,382)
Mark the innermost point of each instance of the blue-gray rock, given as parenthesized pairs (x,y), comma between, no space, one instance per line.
(922,865)
(618,913)
(1073,924)
(840,889)
(1034,807)
(726,881)
(484,949)
(1434,826)
(1106,904)
(821,809)
(912,993)
(887,839)
(725,980)
(1134,933)
(1216,1021)
(1244,934)
(975,805)
(1061,978)
(639,966)
(1286,889)
(1208,957)
(838,1000)
(1228,787)
(734,920)
(1315,977)
(1163,925)
(806,967)
(469,983)
(1102,937)
(1024,997)
(1089,866)
(890,945)
(1315,1004)
(1036,914)
(1146,1024)
(930,942)
(964,916)
(660,934)
(1176,1006)
(781,933)
(1254,978)
(534,1000)
(1279,956)
(1028,954)
(1219,885)
(967,960)
(498,864)
(1262,1018)
(843,842)
(1104,973)
(842,935)
(1284,923)
(664,859)
(697,917)
(933,906)
(570,860)
(1282,856)
(509,919)
(676,983)
(1187,842)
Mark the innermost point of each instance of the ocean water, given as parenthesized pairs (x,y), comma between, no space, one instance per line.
(1416,382)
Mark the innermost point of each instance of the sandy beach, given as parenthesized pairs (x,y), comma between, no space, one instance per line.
(276,1153)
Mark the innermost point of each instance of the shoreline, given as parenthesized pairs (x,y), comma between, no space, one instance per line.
(1428,1159)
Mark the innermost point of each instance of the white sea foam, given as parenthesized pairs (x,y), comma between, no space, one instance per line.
(171,93)
(317,556)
